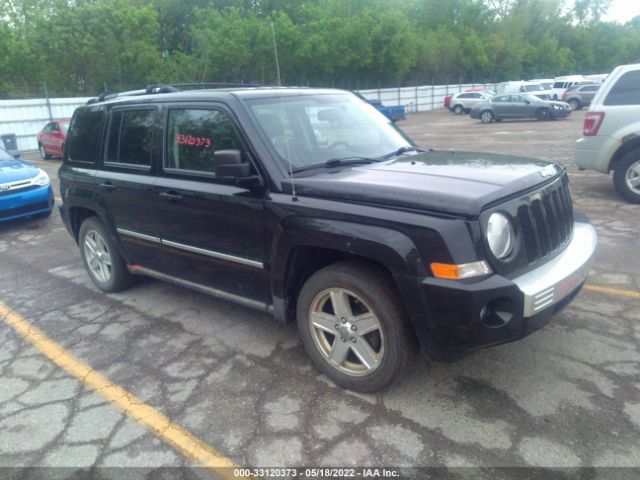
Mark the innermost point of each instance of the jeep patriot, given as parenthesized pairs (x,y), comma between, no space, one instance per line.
(312,206)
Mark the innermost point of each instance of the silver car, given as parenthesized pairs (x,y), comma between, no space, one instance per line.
(524,105)
(463,102)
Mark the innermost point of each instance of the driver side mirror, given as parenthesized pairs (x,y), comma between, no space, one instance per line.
(527,102)
(229,166)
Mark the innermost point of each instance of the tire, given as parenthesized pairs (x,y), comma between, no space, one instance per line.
(458,109)
(363,361)
(575,104)
(105,267)
(626,176)
(43,153)
(543,114)
(486,116)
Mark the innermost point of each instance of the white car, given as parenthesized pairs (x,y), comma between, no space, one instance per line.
(611,132)
(560,84)
(463,102)
(534,88)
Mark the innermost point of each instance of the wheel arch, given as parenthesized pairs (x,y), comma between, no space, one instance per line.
(630,142)
(302,248)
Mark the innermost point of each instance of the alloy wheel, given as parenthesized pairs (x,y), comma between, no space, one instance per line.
(632,177)
(346,332)
(97,254)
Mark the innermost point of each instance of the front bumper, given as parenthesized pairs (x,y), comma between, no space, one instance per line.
(468,315)
(552,281)
(26,203)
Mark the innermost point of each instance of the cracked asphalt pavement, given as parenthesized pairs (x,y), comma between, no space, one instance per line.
(566,396)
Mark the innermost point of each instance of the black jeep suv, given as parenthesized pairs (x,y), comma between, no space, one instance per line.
(311,205)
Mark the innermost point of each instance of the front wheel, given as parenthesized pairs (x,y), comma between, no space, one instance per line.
(353,326)
(574,103)
(101,259)
(626,176)
(486,116)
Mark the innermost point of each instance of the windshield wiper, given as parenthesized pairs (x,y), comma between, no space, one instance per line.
(401,150)
(337,162)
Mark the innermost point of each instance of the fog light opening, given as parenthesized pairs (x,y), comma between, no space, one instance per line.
(497,313)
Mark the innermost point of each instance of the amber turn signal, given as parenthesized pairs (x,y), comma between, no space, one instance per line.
(457,272)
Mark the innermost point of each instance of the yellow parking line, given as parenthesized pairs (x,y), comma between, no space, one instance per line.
(613,291)
(147,416)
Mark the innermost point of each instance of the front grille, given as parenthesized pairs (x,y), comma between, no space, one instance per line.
(547,220)
(34,207)
(19,189)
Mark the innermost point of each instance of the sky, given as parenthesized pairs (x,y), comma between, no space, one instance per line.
(622,10)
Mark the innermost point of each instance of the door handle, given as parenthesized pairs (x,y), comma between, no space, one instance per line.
(108,186)
(172,197)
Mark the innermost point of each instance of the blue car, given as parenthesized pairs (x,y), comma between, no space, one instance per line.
(25,190)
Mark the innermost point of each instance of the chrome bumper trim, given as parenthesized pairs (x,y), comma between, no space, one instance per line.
(141,236)
(554,280)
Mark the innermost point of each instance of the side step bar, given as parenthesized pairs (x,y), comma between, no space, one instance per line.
(245,302)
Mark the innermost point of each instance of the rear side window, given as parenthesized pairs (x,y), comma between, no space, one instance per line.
(130,137)
(194,135)
(626,90)
(84,134)
(558,85)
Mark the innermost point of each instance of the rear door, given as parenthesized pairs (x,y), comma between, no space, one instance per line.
(124,184)
(212,230)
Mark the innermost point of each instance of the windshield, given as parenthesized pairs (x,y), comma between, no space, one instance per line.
(533,88)
(64,127)
(312,129)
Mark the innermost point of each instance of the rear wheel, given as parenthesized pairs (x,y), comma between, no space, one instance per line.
(101,259)
(626,176)
(543,114)
(43,153)
(353,327)
(458,109)
(486,116)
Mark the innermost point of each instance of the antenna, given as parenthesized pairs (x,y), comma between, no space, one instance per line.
(275,51)
(294,197)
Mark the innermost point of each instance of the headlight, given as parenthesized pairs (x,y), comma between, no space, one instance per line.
(41,179)
(500,235)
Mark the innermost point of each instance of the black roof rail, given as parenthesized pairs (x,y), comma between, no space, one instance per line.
(160,88)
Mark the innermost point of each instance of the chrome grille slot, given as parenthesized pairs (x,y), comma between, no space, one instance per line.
(546,220)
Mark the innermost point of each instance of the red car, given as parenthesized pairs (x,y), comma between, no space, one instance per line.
(447,99)
(52,137)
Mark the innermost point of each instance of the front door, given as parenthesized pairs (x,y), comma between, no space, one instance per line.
(212,231)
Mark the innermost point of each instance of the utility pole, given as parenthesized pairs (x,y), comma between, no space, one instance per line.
(275,51)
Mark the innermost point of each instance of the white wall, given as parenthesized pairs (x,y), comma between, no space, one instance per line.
(26,118)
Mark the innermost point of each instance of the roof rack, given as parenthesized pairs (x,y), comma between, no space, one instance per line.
(159,88)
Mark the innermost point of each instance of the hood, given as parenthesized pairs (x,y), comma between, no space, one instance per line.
(15,170)
(458,183)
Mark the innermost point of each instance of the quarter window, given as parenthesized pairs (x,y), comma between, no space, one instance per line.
(130,137)
(626,91)
(84,134)
(194,135)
